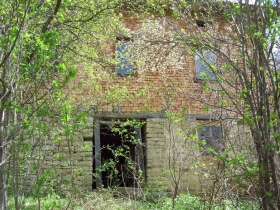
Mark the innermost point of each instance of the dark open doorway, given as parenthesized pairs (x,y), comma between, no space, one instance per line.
(118,156)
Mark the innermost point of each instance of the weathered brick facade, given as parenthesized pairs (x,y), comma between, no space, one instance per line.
(146,96)
(151,90)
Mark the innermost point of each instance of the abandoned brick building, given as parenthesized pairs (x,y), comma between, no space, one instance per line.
(166,148)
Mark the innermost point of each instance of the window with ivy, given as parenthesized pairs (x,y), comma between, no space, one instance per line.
(205,62)
(212,140)
(124,58)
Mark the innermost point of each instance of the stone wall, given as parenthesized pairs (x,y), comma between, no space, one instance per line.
(71,161)
(171,154)
(155,148)
(174,155)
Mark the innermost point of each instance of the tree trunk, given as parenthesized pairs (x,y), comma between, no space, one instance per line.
(3,192)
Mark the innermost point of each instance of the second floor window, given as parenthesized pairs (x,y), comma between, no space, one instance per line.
(124,58)
(205,62)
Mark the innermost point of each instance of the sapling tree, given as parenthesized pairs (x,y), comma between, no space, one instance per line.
(39,52)
(244,37)
(237,45)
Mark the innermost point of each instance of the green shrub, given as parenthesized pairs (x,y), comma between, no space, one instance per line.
(113,200)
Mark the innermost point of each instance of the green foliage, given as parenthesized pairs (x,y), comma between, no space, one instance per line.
(43,184)
(40,48)
(51,201)
(113,200)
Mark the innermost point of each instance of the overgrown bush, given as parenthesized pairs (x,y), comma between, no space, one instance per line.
(113,200)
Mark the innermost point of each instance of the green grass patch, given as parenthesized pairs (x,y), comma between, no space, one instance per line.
(48,202)
(112,200)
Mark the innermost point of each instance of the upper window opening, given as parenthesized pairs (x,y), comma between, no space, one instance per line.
(123,38)
(124,56)
(200,23)
(205,62)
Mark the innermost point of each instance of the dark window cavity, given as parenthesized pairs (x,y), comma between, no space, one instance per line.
(213,141)
(205,62)
(200,23)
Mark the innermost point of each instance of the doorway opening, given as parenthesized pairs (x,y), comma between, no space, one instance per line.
(118,155)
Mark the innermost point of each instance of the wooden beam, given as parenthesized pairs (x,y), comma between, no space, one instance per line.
(140,152)
(97,157)
(143,115)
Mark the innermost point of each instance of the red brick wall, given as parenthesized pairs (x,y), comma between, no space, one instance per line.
(148,91)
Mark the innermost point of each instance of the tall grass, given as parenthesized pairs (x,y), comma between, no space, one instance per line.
(111,200)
